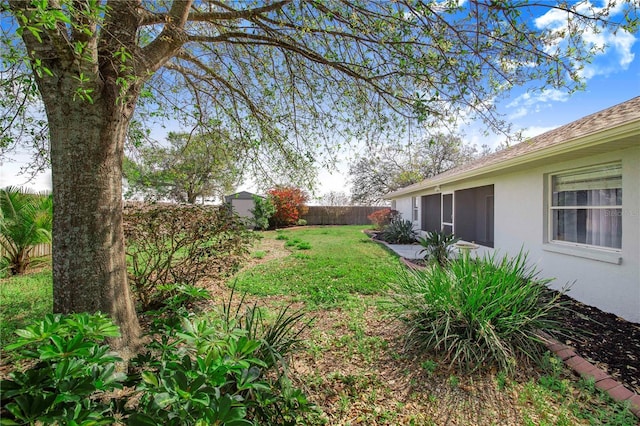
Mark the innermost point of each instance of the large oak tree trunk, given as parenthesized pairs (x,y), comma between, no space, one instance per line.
(89,73)
(89,265)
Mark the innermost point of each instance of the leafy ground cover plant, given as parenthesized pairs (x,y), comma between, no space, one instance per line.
(437,246)
(227,369)
(180,245)
(69,367)
(279,337)
(222,369)
(478,313)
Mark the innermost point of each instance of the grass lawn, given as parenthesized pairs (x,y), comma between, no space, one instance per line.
(24,299)
(326,267)
(354,365)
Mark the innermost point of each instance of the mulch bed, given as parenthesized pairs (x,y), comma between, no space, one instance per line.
(605,340)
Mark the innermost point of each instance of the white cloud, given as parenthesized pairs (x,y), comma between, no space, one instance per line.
(616,53)
(520,112)
(534,102)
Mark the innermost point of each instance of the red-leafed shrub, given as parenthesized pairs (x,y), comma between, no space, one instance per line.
(290,205)
(382,218)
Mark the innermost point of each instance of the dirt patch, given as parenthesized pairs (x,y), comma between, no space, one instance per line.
(358,372)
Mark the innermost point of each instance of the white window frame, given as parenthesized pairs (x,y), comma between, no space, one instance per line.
(453,210)
(415,209)
(551,208)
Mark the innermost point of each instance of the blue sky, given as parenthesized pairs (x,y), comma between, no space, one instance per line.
(613,77)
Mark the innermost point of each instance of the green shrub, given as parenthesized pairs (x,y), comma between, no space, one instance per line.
(302,222)
(437,246)
(292,243)
(216,371)
(399,231)
(262,211)
(180,245)
(182,296)
(478,313)
(304,245)
(230,369)
(69,368)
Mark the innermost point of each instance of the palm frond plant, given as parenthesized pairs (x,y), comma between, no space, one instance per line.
(437,246)
(25,220)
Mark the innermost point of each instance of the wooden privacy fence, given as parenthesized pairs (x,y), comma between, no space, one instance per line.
(38,250)
(340,215)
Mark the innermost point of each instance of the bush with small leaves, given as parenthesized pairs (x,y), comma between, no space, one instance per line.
(262,211)
(179,244)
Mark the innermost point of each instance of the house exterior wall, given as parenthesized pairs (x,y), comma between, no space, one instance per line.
(404,207)
(521,211)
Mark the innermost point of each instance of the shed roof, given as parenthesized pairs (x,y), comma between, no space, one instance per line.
(242,195)
(621,121)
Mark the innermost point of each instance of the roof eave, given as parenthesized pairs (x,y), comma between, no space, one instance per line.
(597,138)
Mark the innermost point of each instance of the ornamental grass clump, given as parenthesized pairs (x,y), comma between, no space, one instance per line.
(478,313)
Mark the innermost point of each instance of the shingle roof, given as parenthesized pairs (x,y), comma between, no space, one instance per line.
(609,118)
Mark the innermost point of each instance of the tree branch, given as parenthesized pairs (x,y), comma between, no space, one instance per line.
(230,14)
(169,41)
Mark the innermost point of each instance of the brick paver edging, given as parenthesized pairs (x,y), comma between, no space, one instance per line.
(584,368)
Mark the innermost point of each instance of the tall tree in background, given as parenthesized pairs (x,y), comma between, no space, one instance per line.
(286,76)
(191,167)
(335,198)
(392,167)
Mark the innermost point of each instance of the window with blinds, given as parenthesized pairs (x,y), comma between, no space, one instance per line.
(586,206)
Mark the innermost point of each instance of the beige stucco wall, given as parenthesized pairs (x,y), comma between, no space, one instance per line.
(520,216)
